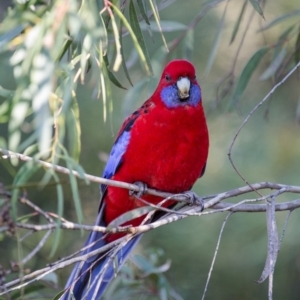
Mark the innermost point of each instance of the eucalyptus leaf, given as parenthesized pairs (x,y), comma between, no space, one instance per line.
(297,48)
(256,5)
(246,74)
(141,5)
(238,22)
(280,19)
(216,42)
(137,30)
(165,26)
(274,66)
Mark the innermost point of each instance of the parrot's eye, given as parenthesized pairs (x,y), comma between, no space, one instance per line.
(195,77)
(168,78)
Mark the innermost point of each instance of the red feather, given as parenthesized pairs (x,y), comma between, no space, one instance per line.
(168,149)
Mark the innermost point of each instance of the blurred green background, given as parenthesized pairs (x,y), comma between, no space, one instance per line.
(266,150)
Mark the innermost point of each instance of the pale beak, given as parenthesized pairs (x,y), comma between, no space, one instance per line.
(183,85)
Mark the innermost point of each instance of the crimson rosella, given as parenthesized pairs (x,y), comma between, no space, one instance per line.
(164,144)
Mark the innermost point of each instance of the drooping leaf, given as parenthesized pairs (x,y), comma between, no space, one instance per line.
(42,79)
(188,45)
(17,117)
(165,26)
(297,48)
(122,53)
(256,5)
(281,19)
(215,45)
(10,34)
(246,74)
(111,75)
(58,296)
(74,130)
(285,34)
(275,64)
(298,112)
(143,12)
(119,58)
(60,210)
(134,22)
(134,38)
(86,48)
(74,186)
(22,176)
(238,22)
(273,242)
(6,93)
(156,17)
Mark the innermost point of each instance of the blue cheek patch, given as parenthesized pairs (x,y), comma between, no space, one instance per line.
(169,96)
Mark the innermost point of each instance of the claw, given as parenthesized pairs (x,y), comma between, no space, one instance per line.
(142,189)
(194,199)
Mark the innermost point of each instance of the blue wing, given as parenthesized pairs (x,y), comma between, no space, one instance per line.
(90,278)
(118,149)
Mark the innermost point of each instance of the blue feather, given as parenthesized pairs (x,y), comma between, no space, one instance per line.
(169,96)
(115,157)
(83,282)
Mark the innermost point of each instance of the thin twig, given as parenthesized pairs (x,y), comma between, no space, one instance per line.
(215,255)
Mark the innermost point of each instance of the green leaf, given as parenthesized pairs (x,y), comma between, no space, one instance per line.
(17,117)
(280,19)
(276,63)
(74,130)
(111,75)
(298,112)
(25,172)
(86,48)
(119,58)
(134,38)
(297,48)
(141,6)
(165,26)
(123,56)
(6,93)
(285,34)
(28,290)
(58,296)
(74,186)
(247,73)
(257,7)
(238,22)
(188,45)
(10,34)
(42,79)
(156,17)
(134,22)
(147,267)
(60,210)
(4,111)
(216,42)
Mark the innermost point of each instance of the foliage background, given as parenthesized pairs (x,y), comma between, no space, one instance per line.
(266,150)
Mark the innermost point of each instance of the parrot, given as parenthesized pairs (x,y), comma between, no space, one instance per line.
(162,145)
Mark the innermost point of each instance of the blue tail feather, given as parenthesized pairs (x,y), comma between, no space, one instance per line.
(89,279)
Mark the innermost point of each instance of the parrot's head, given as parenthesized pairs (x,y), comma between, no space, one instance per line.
(178,85)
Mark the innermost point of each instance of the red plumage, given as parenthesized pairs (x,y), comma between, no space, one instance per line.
(168,147)
(163,144)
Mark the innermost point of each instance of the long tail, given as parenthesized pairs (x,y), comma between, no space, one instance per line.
(90,278)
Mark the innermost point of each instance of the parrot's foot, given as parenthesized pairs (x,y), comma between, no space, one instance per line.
(143,189)
(194,199)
